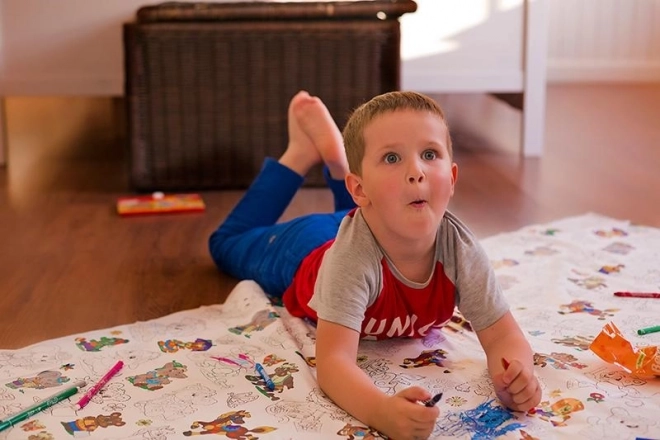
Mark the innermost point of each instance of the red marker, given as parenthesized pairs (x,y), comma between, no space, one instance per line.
(637,294)
(505,363)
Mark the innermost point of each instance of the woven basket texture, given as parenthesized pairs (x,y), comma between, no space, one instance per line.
(208,85)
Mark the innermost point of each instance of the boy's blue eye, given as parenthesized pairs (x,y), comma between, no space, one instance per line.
(391,158)
(429,155)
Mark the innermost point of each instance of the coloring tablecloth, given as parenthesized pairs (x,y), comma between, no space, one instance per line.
(192,372)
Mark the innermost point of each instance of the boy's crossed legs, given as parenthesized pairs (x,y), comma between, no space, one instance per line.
(313,137)
(250,244)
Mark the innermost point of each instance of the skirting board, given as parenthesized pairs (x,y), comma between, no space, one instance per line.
(461,81)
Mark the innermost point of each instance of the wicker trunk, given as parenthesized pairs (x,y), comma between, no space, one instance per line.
(208,84)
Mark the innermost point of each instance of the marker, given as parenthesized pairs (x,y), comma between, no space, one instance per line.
(505,364)
(84,400)
(433,400)
(637,294)
(647,330)
(28,412)
(227,360)
(264,376)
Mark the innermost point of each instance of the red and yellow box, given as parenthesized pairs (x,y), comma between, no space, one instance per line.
(159,203)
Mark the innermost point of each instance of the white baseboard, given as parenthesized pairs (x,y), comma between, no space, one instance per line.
(422,81)
(431,82)
(560,71)
(460,81)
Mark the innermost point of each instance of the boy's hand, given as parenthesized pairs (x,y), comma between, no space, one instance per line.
(402,417)
(517,387)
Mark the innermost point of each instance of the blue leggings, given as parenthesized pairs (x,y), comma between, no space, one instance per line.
(251,245)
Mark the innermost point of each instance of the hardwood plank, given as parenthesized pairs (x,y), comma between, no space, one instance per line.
(69,264)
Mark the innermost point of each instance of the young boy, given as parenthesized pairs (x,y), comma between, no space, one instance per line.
(395,265)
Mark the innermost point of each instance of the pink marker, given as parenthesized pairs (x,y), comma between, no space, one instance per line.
(637,294)
(84,400)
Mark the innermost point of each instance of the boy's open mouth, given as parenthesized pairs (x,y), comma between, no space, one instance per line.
(418,203)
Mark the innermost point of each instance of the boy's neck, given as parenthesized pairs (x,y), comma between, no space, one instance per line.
(417,270)
(415,260)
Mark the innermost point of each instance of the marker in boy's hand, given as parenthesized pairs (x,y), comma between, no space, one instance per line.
(505,364)
(433,400)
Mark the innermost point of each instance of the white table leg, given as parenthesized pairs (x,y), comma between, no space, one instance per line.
(535,56)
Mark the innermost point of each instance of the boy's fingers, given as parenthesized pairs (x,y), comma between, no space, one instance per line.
(512,372)
(530,403)
(530,392)
(518,384)
(414,394)
(425,415)
(524,394)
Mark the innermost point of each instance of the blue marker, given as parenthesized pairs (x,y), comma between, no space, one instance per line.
(264,376)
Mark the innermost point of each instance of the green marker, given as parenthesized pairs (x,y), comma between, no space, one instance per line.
(647,330)
(40,406)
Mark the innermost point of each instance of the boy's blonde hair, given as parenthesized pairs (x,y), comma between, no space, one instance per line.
(353,133)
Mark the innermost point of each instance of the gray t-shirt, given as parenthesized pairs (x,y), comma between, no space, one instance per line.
(359,287)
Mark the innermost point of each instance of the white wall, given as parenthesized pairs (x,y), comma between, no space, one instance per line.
(463,46)
(604,40)
(74,47)
(64,47)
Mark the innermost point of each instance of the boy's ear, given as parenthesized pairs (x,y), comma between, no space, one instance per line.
(454,174)
(355,189)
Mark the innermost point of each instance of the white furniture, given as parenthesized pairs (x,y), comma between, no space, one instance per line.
(493,46)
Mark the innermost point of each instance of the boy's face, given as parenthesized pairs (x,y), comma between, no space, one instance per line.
(407,174)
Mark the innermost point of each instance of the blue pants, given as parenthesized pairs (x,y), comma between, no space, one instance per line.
(251,245)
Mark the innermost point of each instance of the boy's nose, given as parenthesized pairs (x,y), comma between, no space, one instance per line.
(415,170)
(415,175)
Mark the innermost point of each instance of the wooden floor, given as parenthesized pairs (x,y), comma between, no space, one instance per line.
(68,264)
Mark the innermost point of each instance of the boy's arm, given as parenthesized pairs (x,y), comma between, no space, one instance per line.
(399,416)
(511,364)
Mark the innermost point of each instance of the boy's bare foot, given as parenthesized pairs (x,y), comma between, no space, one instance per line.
(314,119)
(301,154)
